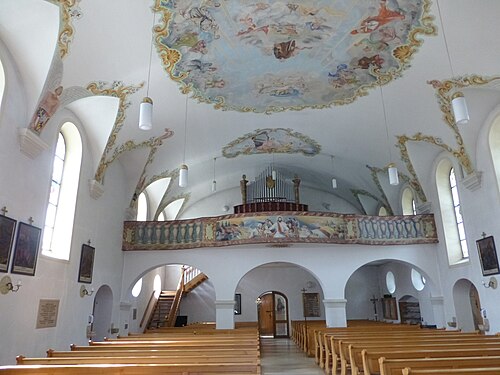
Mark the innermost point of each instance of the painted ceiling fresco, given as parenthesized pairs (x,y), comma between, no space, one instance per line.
(273,55)
(267,141)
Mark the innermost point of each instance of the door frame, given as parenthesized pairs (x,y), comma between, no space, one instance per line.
(273,294)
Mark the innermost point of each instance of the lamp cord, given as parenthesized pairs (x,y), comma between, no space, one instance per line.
(185,131)
(151,52)
(445,41)
(386,125)
(214,167)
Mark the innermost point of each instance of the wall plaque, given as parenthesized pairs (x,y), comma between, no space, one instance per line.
(311,305)
(47,313)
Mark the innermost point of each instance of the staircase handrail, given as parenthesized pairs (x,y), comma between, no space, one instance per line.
(190,273)
(148,312)
(177,300)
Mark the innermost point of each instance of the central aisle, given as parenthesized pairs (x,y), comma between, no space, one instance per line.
(282,356)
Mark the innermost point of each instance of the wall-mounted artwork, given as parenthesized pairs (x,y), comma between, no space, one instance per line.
(488,256)
(7,230)
(270,56)
(86,264)
(267,141)
(26,249)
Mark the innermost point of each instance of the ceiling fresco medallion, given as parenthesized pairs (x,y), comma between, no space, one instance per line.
(268,141)
(272,56)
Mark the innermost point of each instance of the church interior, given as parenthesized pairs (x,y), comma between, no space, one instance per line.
(167,163)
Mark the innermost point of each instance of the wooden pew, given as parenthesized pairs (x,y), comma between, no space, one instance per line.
(177,359)
(337,355)
(135,369)
(352,356)
(151,352)
(461,371)
(395,366)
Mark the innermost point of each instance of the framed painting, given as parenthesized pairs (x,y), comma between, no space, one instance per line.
(237,304)
(86,264)
(7,231)
(488,256)
(26,249)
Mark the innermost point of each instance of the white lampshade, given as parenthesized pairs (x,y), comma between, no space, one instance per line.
(393,175)
(214,186)
(146,114)
(183,176)
(334,183)
(460,111)
(273,174)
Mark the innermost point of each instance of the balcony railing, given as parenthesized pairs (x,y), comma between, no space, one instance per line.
(279,228)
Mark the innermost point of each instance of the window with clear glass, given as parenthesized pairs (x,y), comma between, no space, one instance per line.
(142,208)
(458,214)
(61,206)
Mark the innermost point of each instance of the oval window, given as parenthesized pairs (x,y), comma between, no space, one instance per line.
(136,290)
(417,280)
(390,282)
(157,285)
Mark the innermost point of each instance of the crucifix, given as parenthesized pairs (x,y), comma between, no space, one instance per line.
(4,210)
(374,301)
(31,220)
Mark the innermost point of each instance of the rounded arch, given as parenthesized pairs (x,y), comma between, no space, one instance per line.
(102,311)
(408,201)
(290,279)
(494,146)
(367,294)
(467,305)
(447,209)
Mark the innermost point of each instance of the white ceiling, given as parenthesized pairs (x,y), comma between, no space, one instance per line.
(111,42)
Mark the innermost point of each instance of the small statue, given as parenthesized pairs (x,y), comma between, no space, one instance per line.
(243,187)
(296,183)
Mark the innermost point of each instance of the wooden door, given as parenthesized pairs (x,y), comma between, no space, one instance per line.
(266,315)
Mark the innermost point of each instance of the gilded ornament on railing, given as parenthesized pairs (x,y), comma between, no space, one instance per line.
(279,228)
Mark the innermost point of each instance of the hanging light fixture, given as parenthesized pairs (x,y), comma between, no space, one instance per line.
(458,103)
(334,180)
(391,167)
(273,171)
(214,183)
(183,172)
(146,108)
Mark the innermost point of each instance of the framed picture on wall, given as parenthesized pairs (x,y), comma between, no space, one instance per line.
(237,304)
(86,264)
(488,256)
(7,231)
(26,249)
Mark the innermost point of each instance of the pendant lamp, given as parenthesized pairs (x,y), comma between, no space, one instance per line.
(391,167)
(334,180)
(183,171)
(146,107)
(458,103)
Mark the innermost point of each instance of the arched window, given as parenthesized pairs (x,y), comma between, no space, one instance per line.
(494,142)
(2,82)
(408,202)
(451,215)
(142,208)
(59,218)
(382,211)
(136,290)
(173,208)
(458,214)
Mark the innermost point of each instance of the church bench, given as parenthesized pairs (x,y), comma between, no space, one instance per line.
(361,327)
(455,371)
(333,355)
(134,369)
(89,352)
(350,351)
(186,343)
(395,366)
(176,359)
(370,357)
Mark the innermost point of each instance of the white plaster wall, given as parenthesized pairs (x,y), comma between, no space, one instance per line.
(199,304)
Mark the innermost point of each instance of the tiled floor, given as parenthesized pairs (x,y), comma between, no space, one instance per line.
(282,356)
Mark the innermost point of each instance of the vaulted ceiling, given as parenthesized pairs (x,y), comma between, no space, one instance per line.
(254,83)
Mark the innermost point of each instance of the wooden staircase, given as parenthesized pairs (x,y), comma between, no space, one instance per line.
(162,309)
(167,306)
